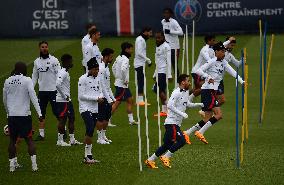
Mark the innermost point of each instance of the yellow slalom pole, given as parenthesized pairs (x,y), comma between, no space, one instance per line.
(267,75)
(246,101)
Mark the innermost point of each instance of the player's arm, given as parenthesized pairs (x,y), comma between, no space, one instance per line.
(33,97)
(87,53)
(236,62)
(125,71)
(233,73)
(59,81)
(203,68)
(171,105)
(56,66)
(194,105)
(5,97)
(103,87)
(177,30)
(169,63)
(205,54)
(35,74)
(82,95)
(140,46)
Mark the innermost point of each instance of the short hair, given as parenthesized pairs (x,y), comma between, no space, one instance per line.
(208,38)
(92,63)
(20,67)
(42,42)
(93,31)
(218,46)
(89,25)
(182,77)
(146,28)
(107,52)
(169,10)
(65,58)
(233,41)
(126,45)
(160,32)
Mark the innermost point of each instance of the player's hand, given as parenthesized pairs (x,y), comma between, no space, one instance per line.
(126,83)
(231,39)
(211,81)
(40,119)
(184,115)
(67,98)
(167,31)
(100,100)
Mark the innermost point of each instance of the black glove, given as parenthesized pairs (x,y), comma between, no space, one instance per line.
(167,31)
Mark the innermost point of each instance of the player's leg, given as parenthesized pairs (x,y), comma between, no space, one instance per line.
(100,122)
(129,104)
(140,81)
(43,101)
(12,143)
(106,120)
(71,125)
(174,56)
(221,93)
(162,81)
(62,110)
(212,120)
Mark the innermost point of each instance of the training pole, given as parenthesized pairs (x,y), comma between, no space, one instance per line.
(260,70)
(183,53)
(237,121)
(146,114)
(192,52)
(158,102)
(139,126)
(243,113)
(186,50)
(264,54)
(267,75)
(246,100)
(175,68)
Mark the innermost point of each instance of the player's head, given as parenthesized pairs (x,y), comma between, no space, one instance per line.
(90,26)
(147,32)
(107,54)
(168,13)
(20,68)
(232,44)
(93,67)
(219,49)
(210,40)
(95,35)
(160,38)
(43,48)
(183,81)
(67,61)
(127,48)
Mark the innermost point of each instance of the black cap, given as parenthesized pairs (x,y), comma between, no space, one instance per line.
(219,46)
(92,63)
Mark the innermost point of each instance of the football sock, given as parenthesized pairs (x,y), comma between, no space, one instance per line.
(164,108)
(72,137)
(33,159)
(153,157)
(140,99)
(193,129)
(208,125)
(41,132)
(130,118)
(168,154)
(88,150)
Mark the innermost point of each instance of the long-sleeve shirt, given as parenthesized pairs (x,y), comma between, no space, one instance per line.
(163,59)
(18,92)
(177,105)
(92,50)
(105,82)
(120,71)
(45,73)
(89,91)
(206,53)
(175,31)
(63,86)
(215,70)
(230,58)
(140,52)
(85,41)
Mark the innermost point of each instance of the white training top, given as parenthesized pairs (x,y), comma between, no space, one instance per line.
(140,52)
(215,70)
(45,73)
(105,82)
(177,105)
(63,86)
(163,59)
(92,50)
(89,90)
(85,41)
(18,91)
(120,69)
(175,31)
(206,53)
(229,57)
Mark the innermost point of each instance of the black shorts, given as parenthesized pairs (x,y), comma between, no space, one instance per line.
(122,94)
(162,81)
(65,110)
(208,98)
(104,111)
(90,120)
(20,126)
(45,97)
(197,79)
(221,88)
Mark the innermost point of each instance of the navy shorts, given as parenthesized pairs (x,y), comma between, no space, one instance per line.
(221,88)
(173,134)
(20,126)
(122,94)
(162,81)
(104,111)
(65,110)
(90,120)
(45,97)
(209,100)
(197,79)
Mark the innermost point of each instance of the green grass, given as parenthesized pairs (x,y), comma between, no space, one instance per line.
(196,164)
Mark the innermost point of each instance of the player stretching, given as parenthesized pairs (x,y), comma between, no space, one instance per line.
(140,60)
(45,72)
(163,68)
(89,95)
(174,138)
(120,70)
(64,105)
(18,91)
(213,72)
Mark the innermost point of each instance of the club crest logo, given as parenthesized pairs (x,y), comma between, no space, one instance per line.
(188,10)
